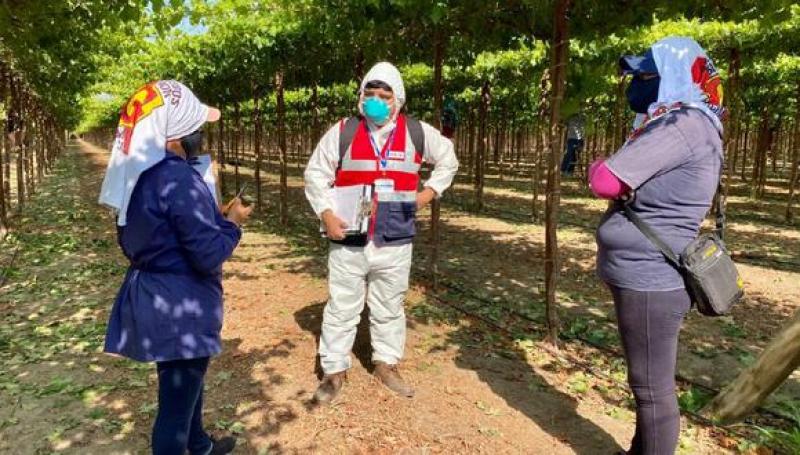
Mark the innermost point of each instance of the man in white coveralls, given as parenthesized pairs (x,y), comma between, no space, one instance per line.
(383,148)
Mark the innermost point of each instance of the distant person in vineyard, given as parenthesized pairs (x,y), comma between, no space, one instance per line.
(384,148)
(574,144)
(449,118)
(169,308)
(668,170)
(14,129)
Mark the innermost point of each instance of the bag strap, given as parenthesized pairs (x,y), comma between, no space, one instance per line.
(651,234)
(417,134)
(346,135)
(720,204)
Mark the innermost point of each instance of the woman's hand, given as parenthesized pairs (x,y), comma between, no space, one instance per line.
(236,212)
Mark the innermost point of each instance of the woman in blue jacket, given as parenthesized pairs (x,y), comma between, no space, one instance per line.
(169,307)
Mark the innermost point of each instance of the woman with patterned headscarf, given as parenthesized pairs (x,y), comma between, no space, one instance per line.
(169,307)
(668,170)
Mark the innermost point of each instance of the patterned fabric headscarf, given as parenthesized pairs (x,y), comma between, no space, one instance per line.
(158,112)
(688,79)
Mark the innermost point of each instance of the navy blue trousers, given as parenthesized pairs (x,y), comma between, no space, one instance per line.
(649,323)
(570,159)
(179,423)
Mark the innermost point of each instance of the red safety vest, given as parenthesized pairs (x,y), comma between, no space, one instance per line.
(394,213)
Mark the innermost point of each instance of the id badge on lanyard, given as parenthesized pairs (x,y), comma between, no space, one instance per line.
(384,185)
(382,154)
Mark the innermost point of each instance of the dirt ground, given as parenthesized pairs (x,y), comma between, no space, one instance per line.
(479,389)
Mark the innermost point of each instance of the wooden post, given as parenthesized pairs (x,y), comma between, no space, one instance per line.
(28,142)
(316,128)
(795,158)
(221,154)
(753,385)
(496,142)
(733,89)
(560,45)
(775,146)
(736,145)
(745,146)
(20,146)
(471,135)
(9,145)
(236,137)
(502,127)
(257,145)
(483,138)
(543,111)
(209,144)
(438,59)
(760,157)
(619,121)
(358,64)
(281,114)
(3,212)
(4,146)
(536,172)
(40,149)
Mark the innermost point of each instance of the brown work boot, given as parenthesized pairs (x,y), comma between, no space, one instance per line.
(391,378)
(329,387)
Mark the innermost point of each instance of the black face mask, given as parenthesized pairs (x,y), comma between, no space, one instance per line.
(193,144)
(642,93)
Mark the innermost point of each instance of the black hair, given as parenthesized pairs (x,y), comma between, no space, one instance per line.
(373,84)
(378,84)
(193,143)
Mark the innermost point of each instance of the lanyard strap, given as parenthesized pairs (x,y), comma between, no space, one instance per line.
(381,154)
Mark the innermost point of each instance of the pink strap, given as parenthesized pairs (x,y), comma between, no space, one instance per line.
(604,183)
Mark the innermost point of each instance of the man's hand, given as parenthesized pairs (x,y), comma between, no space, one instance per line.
(334,226)
(425,197)
(236,212)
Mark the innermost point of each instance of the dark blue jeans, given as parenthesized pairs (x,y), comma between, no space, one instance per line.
(179,423)
(570,159)
(649,323)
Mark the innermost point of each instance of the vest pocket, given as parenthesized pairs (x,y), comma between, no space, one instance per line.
(401,220)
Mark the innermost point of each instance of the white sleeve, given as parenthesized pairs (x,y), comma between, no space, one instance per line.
(320,171)
(439,151)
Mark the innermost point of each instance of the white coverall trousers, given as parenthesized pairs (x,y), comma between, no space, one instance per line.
(381,275)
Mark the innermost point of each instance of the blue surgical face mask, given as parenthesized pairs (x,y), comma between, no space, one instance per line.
(642,93)
(376,109)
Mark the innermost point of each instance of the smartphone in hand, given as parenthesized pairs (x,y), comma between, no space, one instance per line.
(240,194)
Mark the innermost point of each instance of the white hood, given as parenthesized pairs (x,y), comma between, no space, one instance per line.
(390,75)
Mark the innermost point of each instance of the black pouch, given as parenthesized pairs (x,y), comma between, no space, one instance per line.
(711,276)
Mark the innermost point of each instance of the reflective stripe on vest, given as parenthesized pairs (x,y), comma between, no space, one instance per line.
(403,166)
(397,196)
(358,165)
